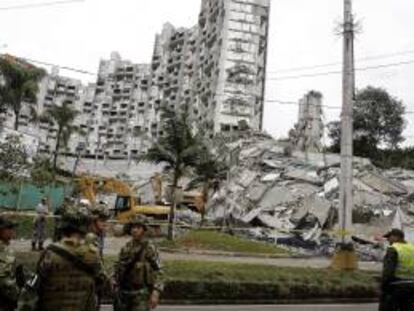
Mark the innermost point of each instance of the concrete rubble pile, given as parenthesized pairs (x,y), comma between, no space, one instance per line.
(292,199)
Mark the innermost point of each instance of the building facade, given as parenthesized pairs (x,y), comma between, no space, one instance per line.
(216,69)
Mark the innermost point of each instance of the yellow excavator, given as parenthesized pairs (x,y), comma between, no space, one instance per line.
(127,205)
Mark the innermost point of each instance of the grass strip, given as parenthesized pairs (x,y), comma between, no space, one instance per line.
(216,241)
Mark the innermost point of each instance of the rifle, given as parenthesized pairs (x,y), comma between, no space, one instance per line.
(29,295)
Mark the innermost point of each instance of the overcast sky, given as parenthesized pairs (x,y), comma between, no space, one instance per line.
(302,33)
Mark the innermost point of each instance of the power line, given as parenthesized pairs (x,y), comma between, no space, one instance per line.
(309,75)
(374,57)
(409,62)
(323,106)
(38,5)
(292,103)
(59,66)
(298,104)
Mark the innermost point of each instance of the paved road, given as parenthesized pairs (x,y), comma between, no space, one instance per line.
(360,307)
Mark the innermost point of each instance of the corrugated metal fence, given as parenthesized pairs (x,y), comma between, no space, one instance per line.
(27,196)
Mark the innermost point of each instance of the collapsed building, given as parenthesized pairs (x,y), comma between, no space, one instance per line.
(292,199)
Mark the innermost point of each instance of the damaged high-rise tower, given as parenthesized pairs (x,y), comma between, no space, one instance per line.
(217,67)
(308,132)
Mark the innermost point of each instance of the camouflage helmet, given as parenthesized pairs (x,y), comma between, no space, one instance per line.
(76,218)
(68,200)
(100,211)
(138,220)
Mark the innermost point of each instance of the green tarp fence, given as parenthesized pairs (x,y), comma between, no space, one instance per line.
(27,196)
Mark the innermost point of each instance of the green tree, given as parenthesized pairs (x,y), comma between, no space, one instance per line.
(177,149)
(63,116)
(42,172)
(14,160)
(19,85)
(209,172)
(378,122)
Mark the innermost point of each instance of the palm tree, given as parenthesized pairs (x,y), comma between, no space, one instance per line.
(209,173)
(63,116)
(178,149)
(19,83)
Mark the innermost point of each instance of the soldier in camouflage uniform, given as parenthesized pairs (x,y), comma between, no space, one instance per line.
(9,291)
(69,270)
(138,273)
(68,203)
(97,229)
(95,238)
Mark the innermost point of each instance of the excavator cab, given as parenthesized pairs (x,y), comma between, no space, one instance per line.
(122,204)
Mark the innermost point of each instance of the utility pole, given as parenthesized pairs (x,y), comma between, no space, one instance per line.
(345,257)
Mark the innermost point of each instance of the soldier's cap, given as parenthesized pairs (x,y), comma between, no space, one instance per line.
(394,232)
(139,220)
(7,223)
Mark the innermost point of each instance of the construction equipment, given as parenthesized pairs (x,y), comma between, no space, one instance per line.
(193,200)
(147,199)
(127,205)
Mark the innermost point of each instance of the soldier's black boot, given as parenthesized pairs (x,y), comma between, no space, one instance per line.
(33,246)
(41,246)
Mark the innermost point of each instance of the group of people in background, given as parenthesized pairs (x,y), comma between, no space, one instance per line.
(70,272)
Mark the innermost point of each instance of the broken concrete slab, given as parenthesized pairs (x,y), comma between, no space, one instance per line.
(256,191)
(277,150)
(251,215)
(409,185)
(363,198)
(331,186)
(382,184)
(270,221)
(313,234)
(273,164)
(310,176)
(301,189)
(319,207)
(275,196)
(359,185)
(252,152)
(246,178)
(270,177)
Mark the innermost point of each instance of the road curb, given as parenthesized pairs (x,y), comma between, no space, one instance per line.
(230,254)
(264,302)
(345,301)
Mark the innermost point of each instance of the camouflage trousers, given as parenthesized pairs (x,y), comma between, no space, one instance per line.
(133,301)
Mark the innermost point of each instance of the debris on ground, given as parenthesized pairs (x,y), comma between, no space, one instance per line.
(292,199)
